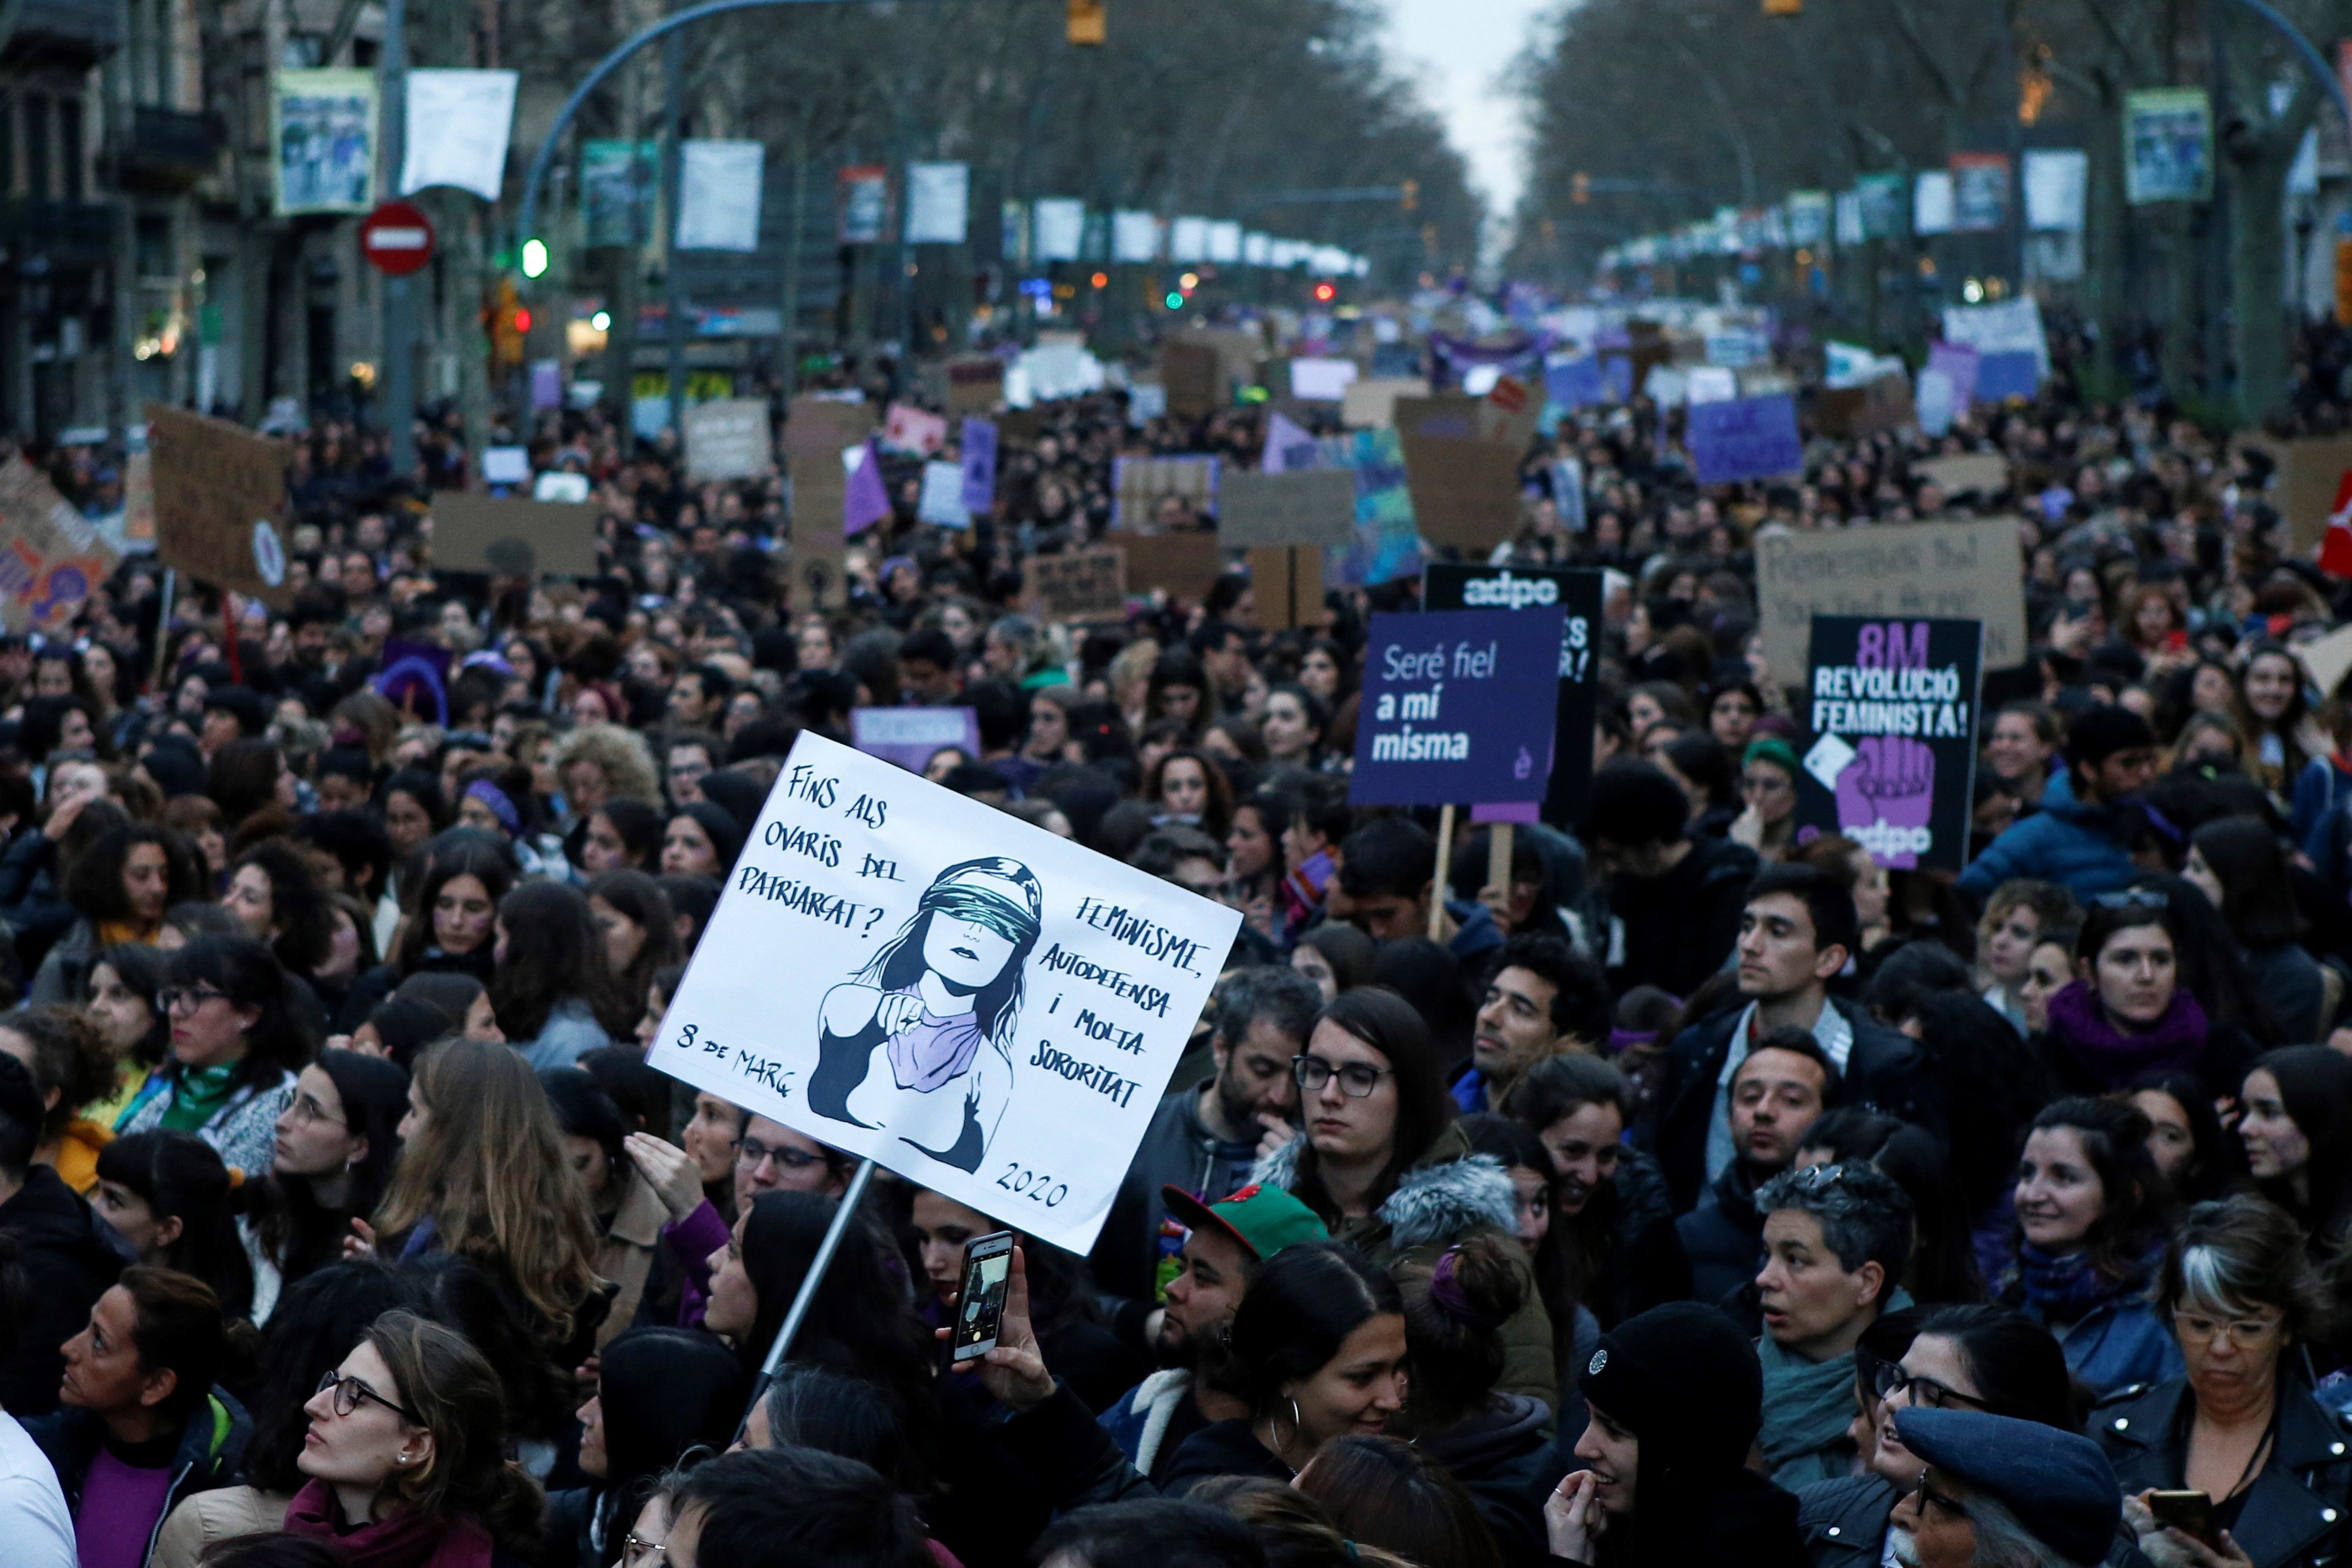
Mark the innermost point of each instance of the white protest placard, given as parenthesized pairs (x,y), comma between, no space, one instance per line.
(2057,184)
(555,486)
(458,123)
(986,1010)
(942,500)
(727,438)
(1321,380)
(1134,237)
(939,203)
(719,195)
(505,465)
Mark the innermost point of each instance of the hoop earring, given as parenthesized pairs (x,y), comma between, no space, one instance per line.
(1296,1427)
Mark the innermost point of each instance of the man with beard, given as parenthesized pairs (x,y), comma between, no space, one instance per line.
(1229,1239)
(1205,1140)
(1998,1490)
(1543,999)
(1776,1097)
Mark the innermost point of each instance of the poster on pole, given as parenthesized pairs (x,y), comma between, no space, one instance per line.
(719,195)
(618,182)
(51,557)
(1059,227)
(1980,192)
(1578,596)
(1746,438)
(458,125)
(939,203)
(996,1024)
(1879,202)
(219,492)
(1892,705)
(322,141)
(1915,570)
(1445,717)
(2057,189)
(1931,203)
(2168,145)
(865,197)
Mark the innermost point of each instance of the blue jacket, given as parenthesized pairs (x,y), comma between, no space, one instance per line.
(210,1452)
(2117,1343)
(2082,847)
(2322,786)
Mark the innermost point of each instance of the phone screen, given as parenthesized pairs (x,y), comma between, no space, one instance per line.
(979,1304)
(2190,1512)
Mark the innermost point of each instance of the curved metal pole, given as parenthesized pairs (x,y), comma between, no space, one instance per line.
(2310,53)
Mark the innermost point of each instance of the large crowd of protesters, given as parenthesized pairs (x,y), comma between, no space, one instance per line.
(1701,1192)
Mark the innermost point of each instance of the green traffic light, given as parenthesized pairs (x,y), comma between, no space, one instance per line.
(1175,300)
(534,257)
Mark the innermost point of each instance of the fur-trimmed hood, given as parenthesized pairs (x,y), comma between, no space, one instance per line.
(1449,1191)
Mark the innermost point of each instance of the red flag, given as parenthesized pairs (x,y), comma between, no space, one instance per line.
(2335,550)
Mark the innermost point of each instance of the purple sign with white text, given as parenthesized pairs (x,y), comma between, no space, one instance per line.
(1445,714)
(1746,438)
(911,737)
(1891,702)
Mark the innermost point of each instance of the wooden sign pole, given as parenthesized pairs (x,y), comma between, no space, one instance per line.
(1444,857)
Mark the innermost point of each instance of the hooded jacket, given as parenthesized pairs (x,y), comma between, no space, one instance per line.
(2084,848)
(71,1256)
(1447,1195)
(210,1455)
(1503,1455)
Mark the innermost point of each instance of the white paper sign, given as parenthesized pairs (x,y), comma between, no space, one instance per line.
(1224,243)
(989,1010)
(1188,240)
(2011,327)
(458,122)
(727,438)
(943,501)
(1931,204)
(1134,237)
(505,465)
(1321,380)
(557,486)
(719,195)
(939,203)
(2057,180)
(1059,228)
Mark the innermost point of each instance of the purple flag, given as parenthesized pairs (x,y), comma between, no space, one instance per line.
(1289,448)
(1958,364)
(868,500)
(978,447)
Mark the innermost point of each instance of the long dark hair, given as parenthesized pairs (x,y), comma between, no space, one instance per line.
(1386,1023)
(2114,1140)
(1943,1266)
(2017,1367)
(665,1392)
(962,891)
(305,930)
(1301,1305)
(291,1224)
(179,1176)
(277,1042)
(243,778)
(445,862)
(2314,1083)
(639,898)
(554,953)
(94,886)
(315,1323)
(1386,1493)
(139,968)
(1572,1264)
(2257,899)
(1452,1328)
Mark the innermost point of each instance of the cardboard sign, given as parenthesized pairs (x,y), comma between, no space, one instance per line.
(1139,484)
(1980,473)
(997,1026)
(1371,405)
(1744,439)
(51,557)
(1084,585)
(1465,481)
(1317,506)
(911,429)
(1879,407)
(1445,715)
(219,489)
(1961,572)
(975,384)
(1195,379)
(816,432)
(909,737)
(2326,660)
(727,439)
(508,537)
(2304,487)
(1578,595)
(1287,581)
(1183,566)
(1892,706)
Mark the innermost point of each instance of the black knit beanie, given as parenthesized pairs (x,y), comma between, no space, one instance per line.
(1683,1379)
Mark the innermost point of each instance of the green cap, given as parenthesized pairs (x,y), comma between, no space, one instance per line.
(1264,1219)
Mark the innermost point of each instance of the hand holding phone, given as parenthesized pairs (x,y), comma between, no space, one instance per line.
(2190,1512)
(979,1304)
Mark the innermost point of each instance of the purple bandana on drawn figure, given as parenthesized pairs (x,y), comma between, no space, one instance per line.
(932,1050)
(1889,785)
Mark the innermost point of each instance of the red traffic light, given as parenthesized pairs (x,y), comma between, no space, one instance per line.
(1326,292)
(523,320)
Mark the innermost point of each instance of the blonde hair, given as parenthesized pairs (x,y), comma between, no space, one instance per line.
(488,1168)
(626,761)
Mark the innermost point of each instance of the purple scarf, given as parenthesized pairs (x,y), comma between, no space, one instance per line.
(933,1050)
(2080,1026)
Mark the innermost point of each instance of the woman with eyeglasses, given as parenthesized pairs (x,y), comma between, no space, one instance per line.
(237,1044)
(2240,1423)
(1382,1165)
(335,1148)
(2089,1217)
(1958,1358)
(406,1456)
(2131,1008)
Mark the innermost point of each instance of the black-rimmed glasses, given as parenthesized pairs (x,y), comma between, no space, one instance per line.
(170,998)
(1357,1081)
(349,1392)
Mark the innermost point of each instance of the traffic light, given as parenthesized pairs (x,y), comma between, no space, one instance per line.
(508,322)
(1088,21)
(1325,293)
(1410,195)
(1580,188)
(1784,7)
(534,257)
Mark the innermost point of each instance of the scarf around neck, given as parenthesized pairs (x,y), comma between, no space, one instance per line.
(1809,1405)
(406,1540)
(2080,1025)
(2065,1288)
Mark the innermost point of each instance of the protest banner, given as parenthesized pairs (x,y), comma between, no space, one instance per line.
(1287,581)
(940,502)
(1950,570)
(816,432)
(975,383)
(1315,506)
(1193,377)
(906,428)
(1879,406)
(1744,439)
(995,1027)
(512,537)
(219,489)
(1084,585)
(51,557)
(1465,481)
(1183,566)
(1371,405)
(2303,488)
(977,448)
(1578,595)
(1321,380)
(1892,705)
(322,141)
(1958,364)
(909,737)
(1973,473)
(727,439)
(1140,485)
(458,125)
(1443,717)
